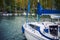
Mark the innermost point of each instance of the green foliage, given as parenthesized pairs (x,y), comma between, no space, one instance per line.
(1,3)
(57,4)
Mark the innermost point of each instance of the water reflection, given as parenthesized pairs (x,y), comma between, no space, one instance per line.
(1,33)
(1,18)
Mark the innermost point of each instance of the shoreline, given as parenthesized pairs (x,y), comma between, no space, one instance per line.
(15,14)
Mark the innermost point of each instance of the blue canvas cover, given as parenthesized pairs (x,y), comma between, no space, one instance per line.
(40,10)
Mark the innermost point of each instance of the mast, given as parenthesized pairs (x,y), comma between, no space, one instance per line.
(28,10)
(38,9)
(38,1)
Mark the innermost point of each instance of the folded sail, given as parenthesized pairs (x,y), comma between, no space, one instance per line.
(40,10)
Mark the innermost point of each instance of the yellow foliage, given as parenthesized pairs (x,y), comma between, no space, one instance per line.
(46,3)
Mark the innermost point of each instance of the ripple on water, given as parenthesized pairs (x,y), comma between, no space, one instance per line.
(10,29)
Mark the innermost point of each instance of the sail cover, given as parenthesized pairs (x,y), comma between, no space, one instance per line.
(40,10)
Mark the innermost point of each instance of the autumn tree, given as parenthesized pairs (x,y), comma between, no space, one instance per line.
(57,4)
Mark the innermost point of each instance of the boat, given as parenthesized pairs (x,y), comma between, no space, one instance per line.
(45,30)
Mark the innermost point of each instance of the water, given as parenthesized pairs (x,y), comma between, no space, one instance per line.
(10,28)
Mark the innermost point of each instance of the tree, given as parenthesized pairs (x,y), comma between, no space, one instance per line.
(1,5)
(46,3)
(57,4)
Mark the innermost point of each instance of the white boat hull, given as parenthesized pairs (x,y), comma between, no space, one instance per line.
(34,34)
(30,36)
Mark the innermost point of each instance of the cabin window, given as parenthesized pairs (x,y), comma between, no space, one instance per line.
(59,29)
(53,30)
(35,27)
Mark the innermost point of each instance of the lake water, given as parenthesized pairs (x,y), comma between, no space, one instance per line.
(10,28)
